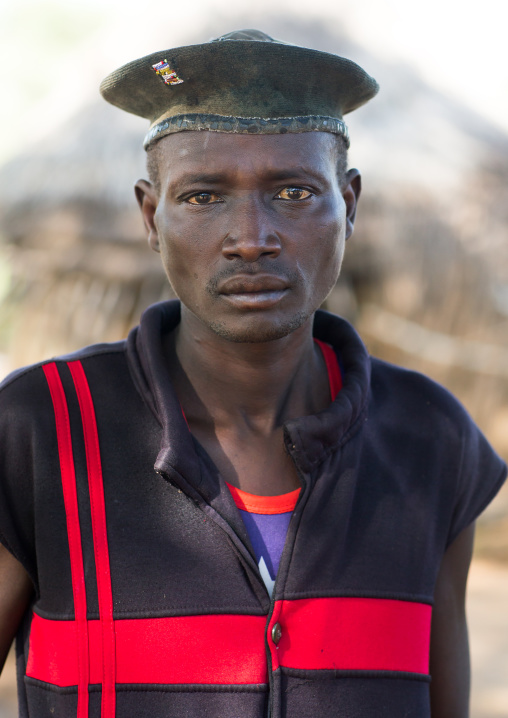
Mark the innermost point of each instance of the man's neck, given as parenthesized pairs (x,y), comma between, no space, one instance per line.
(258,386)
(237,396)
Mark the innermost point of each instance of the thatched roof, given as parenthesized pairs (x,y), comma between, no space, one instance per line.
(89,163)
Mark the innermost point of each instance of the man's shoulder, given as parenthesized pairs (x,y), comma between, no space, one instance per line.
(396,395)
(25,382)
(413,396)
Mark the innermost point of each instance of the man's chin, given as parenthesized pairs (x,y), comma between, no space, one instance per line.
(257,330)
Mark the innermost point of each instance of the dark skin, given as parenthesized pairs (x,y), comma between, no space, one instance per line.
(16,591)
(249,221)
(251,232)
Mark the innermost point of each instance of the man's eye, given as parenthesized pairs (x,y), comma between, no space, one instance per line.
(293,193)
(204,198)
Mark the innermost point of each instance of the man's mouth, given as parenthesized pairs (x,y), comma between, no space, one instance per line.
(253,291)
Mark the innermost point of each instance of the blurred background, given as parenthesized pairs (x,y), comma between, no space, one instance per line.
(425,278)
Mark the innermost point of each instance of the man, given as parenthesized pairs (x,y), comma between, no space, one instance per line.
(238,512)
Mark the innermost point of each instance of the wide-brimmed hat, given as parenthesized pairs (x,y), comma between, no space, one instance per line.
(243,82)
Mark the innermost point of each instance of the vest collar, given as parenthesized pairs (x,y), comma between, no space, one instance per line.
(309,439)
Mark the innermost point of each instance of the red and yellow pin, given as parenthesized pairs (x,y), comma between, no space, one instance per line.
(166,73)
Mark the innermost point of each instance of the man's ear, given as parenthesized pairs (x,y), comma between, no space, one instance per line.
(147,200)
(351,194)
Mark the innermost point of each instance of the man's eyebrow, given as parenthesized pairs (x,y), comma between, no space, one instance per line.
(294,173)
(198,178)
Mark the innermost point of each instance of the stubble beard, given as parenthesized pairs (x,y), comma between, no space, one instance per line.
(258,335)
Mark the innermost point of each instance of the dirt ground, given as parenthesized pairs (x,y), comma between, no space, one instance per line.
(488,626)
(488,622)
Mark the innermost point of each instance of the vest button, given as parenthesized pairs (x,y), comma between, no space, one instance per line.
(276,633)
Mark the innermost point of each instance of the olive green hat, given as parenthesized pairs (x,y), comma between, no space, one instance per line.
(242,82)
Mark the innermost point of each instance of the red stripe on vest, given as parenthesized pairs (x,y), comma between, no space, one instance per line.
(63,433)
(370,634)
(332,366)
(211,649)
(100,538)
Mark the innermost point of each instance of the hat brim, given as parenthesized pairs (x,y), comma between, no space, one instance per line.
(241,78)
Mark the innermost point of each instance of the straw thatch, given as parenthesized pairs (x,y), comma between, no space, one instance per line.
(81,268)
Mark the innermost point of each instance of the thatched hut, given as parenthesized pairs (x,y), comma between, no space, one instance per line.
(81,270)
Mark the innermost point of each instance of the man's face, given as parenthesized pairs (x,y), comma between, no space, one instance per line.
(251,228)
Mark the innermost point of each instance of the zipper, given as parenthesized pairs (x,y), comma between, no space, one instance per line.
(245,553)
(302,500)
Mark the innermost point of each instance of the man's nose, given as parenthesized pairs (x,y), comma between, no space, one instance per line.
(251,233)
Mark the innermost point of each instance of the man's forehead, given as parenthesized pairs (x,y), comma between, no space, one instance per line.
(195,144)
(206,151)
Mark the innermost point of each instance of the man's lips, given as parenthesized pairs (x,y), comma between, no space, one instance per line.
(259,291)
(252,284)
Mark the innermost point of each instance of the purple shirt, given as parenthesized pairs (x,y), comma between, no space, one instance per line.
(266,519)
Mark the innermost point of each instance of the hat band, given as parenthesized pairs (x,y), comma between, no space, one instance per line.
(246,125)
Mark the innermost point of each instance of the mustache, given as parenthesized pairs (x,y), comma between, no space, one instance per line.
(236,267)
